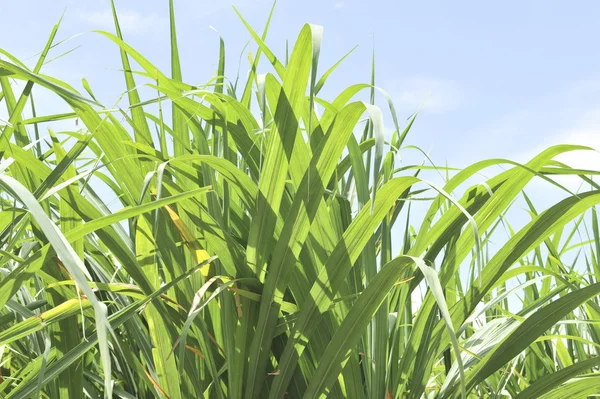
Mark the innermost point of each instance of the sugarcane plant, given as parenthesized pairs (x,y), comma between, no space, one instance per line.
(262,245)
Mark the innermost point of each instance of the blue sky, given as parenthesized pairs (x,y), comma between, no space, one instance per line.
(504,79)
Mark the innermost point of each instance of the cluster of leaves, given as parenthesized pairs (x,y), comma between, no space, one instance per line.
(254,257)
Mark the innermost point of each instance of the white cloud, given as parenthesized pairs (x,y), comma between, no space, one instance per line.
(570,115)
(586,132)
(131,22)
(437,95)
(582,159)
(338,4)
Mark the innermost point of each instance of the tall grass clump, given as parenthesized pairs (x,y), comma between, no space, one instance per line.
(264,246)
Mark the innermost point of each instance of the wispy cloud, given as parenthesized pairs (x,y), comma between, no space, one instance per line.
(437,95)
(582,159)
(338,4)
(573,117)
(131,22)
(567,116)
(584,132)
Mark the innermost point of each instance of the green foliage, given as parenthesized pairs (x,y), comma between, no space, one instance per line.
(276,256)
